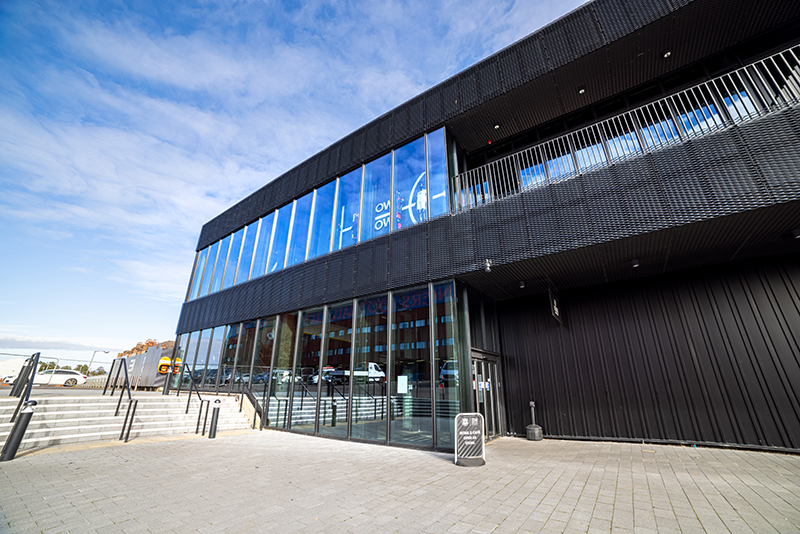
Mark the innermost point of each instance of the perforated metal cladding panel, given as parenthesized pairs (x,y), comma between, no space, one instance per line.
(602,214)
(572,36)
(777,141)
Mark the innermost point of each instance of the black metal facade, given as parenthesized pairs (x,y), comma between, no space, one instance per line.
(706,356)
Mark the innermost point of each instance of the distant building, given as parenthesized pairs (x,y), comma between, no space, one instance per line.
(602,218)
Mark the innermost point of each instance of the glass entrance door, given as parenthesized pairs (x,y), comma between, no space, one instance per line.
(487,394)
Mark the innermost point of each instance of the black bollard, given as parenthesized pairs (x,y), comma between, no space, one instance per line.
(333,411)
(15,438)
(212,432)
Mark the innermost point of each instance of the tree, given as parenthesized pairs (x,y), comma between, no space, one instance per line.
(66,367)
(82,368)
(98,371)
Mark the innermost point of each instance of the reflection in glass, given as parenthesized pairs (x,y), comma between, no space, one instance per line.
(299,238)
(198,273)
(437,168)
(200,359)
(304,401)
(376,202)
(277,254)
(369,378)
(346,216)
(410,184)
(178,358)
(281,379)
(219,271)
(246,259)
(262,246)
(209,378)
(245,356)
(205,286)
(233,259)
(335,387)
(410,418)
(265,342)
(228,357)
(446,364)
(320,235)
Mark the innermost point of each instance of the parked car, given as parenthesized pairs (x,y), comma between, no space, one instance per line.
(449,372)
(58,377)
(8,379)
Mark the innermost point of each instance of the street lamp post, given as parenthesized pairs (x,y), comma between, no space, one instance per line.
(89,370)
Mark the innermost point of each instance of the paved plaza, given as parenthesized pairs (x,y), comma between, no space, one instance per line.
(256,482)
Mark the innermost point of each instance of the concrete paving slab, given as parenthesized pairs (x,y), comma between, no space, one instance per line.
(254,482)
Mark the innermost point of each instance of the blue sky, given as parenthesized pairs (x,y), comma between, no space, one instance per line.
(124,126)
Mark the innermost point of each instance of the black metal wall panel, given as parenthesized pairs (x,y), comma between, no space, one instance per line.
(704,357)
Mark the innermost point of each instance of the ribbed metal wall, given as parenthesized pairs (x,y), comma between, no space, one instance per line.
(709,356)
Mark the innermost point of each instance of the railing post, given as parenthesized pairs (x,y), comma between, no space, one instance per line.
(212,432)
(17,433)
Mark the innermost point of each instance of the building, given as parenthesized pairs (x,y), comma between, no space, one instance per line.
(602,218)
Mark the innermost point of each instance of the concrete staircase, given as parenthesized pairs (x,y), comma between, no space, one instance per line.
(67,420)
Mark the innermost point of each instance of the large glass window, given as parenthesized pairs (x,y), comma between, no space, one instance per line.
(410,184)
(281,380)
(410,419)
(246,258)
(179,358)
(446,364)
(261,253)
(209,376)
(333,379)
(228,357)
(200,359)
(321,228)
(299,237)
(437,169)
(208,277)
(198,273)
(219,271)
(304,402)
(233,259)
(376,201)
(369,372)
(265,343)
(346,216)
(277,254)
(244,358)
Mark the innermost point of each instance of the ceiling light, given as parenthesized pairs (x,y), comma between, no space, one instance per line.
(666,53)
(488,266)
(796,233)
(581,90)
(634,263)
(522,284)
(496,126)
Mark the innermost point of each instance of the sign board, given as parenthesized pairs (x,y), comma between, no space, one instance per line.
(554,308)
(469,440)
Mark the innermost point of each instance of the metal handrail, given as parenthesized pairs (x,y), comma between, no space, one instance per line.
(127,424)
(25,382)
(203,402)
(259,410)
(755,90)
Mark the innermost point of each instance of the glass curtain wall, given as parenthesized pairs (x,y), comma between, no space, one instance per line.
(333,379)
(368,378)
(246,259)
(263,358)
(322,224)
(209,376)
(410,184)
(446,364)
(228,357)
(261,253)
(376,208)
(244,358)
(346,216)
(281,380)
(178,357)
(410,417)
(399,189)
(304,401)
(299,237)
(200,358)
